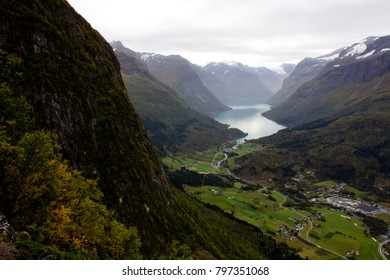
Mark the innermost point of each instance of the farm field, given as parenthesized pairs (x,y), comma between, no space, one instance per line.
(331,234)
(319,233)
(200,166)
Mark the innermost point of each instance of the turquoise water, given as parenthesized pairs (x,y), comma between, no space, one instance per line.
(248,118)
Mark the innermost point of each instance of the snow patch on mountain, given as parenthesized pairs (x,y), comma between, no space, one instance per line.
(357,49)
(366,55)
(149,56)
(329,57)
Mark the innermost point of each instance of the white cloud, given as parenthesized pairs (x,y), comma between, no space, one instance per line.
(255,32)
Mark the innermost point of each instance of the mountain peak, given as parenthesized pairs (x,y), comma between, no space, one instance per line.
(117,45)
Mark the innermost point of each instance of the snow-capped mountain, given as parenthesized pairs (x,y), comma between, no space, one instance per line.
(310,68)
(349,80)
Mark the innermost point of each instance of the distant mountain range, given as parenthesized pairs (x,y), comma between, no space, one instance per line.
(204,88)
(178,73)
(246,85)
(170,122)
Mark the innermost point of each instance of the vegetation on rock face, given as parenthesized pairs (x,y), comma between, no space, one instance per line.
(41,193)
(73,83)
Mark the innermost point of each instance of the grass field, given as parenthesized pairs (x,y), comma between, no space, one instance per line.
(177,162)
(337,233)
(331,233)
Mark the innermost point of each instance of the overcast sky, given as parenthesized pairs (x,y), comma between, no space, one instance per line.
(254,32)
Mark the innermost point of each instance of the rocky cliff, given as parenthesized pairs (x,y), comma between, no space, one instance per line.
(73,82)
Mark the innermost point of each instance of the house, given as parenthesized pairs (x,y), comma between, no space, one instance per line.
(214,192)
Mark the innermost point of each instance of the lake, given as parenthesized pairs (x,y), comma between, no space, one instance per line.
(248,118)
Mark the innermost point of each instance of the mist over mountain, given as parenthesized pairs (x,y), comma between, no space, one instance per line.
(272,79)
(244,83)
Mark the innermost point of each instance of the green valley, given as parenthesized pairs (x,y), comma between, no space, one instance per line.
(314,226)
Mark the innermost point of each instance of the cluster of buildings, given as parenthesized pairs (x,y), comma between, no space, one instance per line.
(356,206)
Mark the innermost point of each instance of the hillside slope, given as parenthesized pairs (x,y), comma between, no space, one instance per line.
(73,82)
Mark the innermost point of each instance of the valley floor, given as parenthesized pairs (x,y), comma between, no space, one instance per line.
(325,224)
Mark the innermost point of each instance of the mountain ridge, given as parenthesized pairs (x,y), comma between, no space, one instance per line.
(347,79)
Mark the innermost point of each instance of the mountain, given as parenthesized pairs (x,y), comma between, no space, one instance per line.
(170,123)
(178,74)
(288,68)
(245,85)
(62,90)
(306,70)
(214,83)
(350,80)
(72,81)
(339,121)
(271,78)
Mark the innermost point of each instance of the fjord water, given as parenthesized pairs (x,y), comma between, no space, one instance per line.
(248,118)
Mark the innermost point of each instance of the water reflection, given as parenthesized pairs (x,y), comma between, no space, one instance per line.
(249,119)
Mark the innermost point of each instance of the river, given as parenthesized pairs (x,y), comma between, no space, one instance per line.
(248,118)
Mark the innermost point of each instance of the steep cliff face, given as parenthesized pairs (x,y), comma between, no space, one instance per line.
(73,82)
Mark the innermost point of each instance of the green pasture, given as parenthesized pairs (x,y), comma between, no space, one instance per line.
(341,235)
(175,163)
(203,167)
(337,233)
